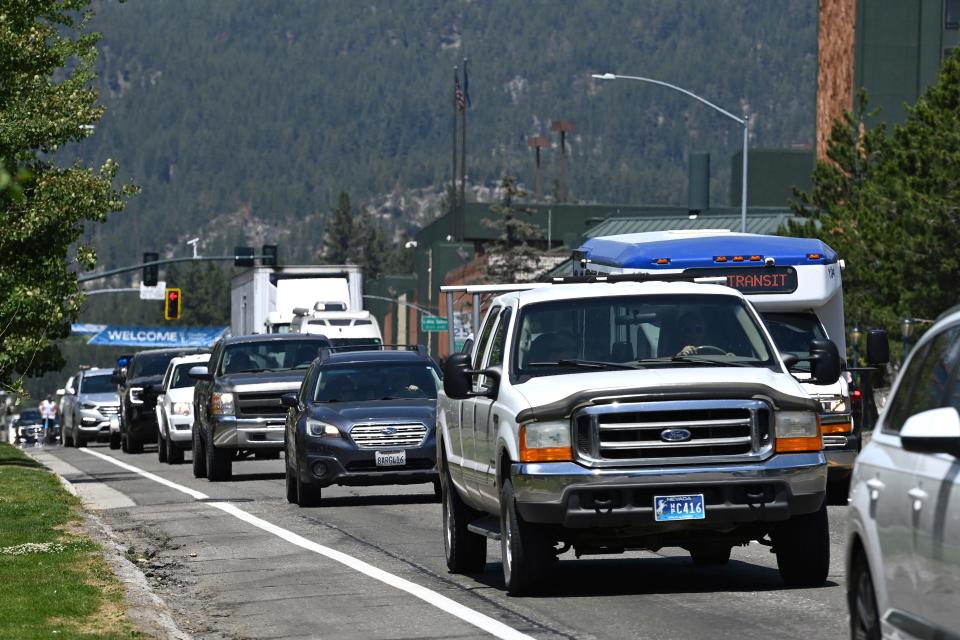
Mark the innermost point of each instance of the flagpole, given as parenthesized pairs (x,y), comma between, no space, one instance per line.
(453,174)
(463,160)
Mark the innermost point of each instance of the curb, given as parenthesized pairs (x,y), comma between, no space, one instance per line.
(146,610)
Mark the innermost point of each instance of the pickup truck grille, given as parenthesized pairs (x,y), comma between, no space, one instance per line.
(673,432)
(388,436)
(264,404)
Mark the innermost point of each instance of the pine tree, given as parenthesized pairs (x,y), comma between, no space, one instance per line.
(512,257)
(341,239)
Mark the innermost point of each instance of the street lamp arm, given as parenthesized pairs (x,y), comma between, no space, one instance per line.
(613,76)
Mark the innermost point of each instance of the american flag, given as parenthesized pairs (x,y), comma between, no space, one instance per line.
(458,96)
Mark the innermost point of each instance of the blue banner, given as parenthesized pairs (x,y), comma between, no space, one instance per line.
(117,336)
(87,329)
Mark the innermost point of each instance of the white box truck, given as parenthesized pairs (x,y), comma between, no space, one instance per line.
(262,299)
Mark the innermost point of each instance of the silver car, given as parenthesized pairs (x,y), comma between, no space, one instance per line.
(89,402)
(903,547)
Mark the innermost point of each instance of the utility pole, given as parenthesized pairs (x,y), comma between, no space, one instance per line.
(536,143)
(563,126)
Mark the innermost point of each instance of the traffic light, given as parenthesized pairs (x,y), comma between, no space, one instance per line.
(151,273)
(173,304)
(268,255)
(243,256)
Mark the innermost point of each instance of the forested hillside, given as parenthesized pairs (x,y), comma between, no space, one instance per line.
(245,119)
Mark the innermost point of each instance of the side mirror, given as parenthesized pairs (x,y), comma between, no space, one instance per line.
(117,377)
(933,431)
(200,373)
(456,380)
(467,346)
(289,400)
(494,373)
(824,362)
(878,347)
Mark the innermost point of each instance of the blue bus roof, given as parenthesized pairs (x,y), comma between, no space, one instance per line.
(685,250)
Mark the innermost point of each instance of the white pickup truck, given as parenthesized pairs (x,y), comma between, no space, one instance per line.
(630,414)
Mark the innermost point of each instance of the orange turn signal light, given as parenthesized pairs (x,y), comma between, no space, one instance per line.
(662,261)
(814,256)
(795,445)
(837,427)
(720,259)
(754,258)
(738,258)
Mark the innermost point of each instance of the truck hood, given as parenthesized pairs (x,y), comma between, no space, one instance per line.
(349,413)
(262,380)
(557,396)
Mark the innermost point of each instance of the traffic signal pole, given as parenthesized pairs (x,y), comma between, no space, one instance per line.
(137,267)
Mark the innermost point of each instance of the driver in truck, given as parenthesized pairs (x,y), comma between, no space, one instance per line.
(694,328)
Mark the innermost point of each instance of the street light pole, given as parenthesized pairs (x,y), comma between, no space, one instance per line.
(743,122)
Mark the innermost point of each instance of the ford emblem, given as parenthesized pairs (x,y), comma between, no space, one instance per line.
(388,431)
(675,435)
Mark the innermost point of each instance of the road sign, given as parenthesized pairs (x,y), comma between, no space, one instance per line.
(432,324)
(153,293)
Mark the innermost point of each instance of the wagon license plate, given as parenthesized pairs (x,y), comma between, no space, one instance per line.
(391,458)
(666,508)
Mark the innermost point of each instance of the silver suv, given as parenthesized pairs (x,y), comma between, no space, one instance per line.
(88,404)
(903,546)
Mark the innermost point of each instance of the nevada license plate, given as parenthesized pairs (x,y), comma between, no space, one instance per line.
(391,458)
(666,508)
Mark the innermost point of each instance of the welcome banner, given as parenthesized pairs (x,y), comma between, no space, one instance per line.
(119,336)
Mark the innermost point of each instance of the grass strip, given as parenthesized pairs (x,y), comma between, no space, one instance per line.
(54,581)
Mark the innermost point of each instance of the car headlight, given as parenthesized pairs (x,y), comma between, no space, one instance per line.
(182,409)
(319,429)
(88,405)
(798,431)
(221,404)
(545,442)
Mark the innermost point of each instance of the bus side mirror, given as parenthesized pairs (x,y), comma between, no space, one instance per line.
(878,347)
(824,362)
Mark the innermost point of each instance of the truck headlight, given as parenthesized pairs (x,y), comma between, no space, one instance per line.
(545,442)
(798,431)
(221,404)
(319,429)
(182,409)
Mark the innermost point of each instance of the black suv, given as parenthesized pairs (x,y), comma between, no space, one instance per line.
(236,401)
(362,418)
(137,386)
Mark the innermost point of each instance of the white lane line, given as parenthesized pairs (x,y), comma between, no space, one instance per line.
(483,622)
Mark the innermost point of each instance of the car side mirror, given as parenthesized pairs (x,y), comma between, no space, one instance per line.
(878,347)
(117,377)
(200,373)
(290,400)
(932,431)
(824,362)
(456,380)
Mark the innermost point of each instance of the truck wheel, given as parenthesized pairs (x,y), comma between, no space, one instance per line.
(198,455)
(219,462)
(524,549)
(124,443)
(862,602)
(133,445)
(307,496)
(161,447)
(707,555)
(802,545)
(174,453)
(114,440)
(466,552)
(291,481)
(78,441)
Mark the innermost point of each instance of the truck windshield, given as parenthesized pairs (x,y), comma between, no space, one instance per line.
(376,381)
(151,364)
(792,333)
(270,355)
(97,384)
(564,336)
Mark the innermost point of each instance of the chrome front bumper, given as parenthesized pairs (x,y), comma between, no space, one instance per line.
(248,433)
(578,497)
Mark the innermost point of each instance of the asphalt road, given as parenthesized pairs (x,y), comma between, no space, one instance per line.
(226,575)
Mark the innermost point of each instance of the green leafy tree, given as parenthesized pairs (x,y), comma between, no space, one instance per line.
(513,256)
(45,102)
(889,203)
